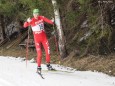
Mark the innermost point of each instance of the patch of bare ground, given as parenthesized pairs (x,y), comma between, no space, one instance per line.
(105,64)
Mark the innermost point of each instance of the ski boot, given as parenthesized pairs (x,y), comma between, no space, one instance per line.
(49,67)
(39,69)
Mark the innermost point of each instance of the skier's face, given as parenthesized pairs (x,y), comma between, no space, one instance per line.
(35,15)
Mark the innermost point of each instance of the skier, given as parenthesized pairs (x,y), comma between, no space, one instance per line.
(37,24)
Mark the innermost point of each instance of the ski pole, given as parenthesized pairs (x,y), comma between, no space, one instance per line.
(27,45)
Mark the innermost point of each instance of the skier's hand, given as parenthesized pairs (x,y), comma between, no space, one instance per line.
(29,20)
(52,19)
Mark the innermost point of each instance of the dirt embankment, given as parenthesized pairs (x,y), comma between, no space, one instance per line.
(105,64)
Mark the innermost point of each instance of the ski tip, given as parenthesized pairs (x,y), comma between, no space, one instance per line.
(40,75)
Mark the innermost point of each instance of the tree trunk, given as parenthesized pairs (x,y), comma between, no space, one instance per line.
(61,38)
(2,28)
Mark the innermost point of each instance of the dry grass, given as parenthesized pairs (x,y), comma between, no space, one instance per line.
(105,64)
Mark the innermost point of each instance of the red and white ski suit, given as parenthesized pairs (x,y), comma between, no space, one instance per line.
(40,37)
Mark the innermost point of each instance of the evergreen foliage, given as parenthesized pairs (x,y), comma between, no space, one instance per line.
(23,8)
(73,14)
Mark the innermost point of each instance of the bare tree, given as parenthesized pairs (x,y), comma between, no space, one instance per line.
(61,38)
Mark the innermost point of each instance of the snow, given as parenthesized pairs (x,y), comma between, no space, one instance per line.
(14,72)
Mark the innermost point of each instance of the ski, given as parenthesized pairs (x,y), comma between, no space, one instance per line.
(40,75)
(58,71)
